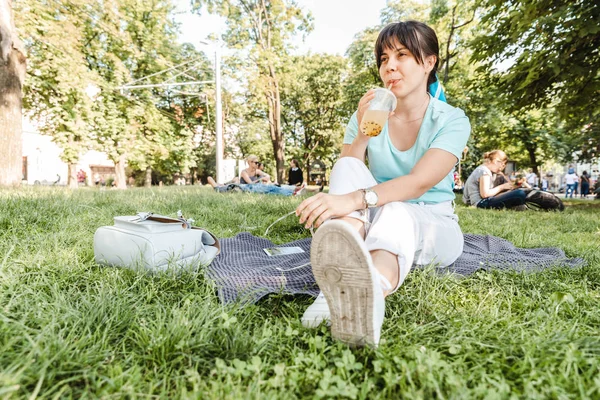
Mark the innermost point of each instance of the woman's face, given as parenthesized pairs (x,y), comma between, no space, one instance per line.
(400,69)
(497,165)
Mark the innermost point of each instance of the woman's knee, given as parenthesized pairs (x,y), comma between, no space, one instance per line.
(349,174)
(521,193)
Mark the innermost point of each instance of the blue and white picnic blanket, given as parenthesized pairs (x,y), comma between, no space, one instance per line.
(244,272)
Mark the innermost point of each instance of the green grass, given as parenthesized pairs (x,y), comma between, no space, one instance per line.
(72,329)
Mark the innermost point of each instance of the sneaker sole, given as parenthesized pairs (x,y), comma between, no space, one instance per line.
(342,269)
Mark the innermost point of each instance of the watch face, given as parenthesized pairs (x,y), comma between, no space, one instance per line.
(371,198)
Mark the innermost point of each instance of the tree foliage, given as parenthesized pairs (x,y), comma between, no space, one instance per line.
(312,96)
(78,45)
(544,53)
(263,29)
(525,72)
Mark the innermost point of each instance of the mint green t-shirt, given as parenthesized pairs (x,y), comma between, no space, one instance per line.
(443,127)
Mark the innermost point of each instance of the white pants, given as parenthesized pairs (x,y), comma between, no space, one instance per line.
(417,233)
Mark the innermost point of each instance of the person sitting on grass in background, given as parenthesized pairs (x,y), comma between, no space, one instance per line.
(398,211)
(479,189)
(253,174)
(254,180)
(295,176)
(265,178)
(250,175)
(585,185)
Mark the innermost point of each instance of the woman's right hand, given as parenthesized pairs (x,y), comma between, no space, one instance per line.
(363,105)
(507,186)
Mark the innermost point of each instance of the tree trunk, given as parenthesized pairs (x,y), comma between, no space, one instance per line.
(274,104)
(12,74)
(280,154)
(72,176)
(148,180)
(120,179)
(533,159)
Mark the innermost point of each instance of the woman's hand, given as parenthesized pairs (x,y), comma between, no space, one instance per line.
(319,208)
(507,186)
(363,105)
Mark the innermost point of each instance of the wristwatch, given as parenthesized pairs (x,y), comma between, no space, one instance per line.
(370,198)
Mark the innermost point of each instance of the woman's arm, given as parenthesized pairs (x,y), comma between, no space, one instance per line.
(428,172)
(263,176)
(484,187)
(245,177)
(358,148)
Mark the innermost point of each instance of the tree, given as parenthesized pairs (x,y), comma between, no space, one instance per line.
(134,41)
(544,52)
(57,90)
(312,96)
(263,28)
(363,73)
(12,75)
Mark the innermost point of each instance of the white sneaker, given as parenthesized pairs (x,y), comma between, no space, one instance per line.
(299,190)
(345,273)
(316,313)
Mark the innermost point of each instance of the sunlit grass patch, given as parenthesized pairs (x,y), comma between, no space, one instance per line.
(69,328)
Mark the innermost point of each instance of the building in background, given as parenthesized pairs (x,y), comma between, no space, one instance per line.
(42,164)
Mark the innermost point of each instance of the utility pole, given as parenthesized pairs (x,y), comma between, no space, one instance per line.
(219,115)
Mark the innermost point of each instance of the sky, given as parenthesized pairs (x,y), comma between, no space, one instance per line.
(335,23)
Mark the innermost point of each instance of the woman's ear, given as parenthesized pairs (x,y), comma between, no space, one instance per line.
(430,63)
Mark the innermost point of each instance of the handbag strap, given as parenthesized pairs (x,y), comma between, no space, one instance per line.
(187,223)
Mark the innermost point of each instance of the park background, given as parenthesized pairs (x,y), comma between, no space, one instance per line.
(526,74)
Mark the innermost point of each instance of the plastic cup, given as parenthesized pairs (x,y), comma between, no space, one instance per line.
(377,114)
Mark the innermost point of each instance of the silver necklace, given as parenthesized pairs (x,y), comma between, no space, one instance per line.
(406,122)
(413,120)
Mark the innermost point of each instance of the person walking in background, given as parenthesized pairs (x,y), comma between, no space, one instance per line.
(570,179)
(396,212)
(479,189)
(295,176)
(544,184)
(585,185)
(531,178)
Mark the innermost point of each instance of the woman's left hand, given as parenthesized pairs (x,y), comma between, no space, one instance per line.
(319,208)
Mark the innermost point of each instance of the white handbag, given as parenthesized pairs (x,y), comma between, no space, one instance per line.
(155,242)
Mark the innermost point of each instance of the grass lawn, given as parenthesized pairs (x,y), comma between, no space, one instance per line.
(72,329)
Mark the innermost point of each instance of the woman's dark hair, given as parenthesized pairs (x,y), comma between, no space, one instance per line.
(295,162)
(417,37)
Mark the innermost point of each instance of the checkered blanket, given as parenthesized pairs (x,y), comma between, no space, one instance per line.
(244,272)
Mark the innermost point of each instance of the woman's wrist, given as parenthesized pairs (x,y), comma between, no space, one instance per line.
(357,200)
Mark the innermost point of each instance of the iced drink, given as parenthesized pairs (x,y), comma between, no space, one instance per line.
(377,114)
(373,122)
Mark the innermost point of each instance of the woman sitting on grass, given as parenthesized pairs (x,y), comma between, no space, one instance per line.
(398,211)
(479,189)
(254,180)
(250,175)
